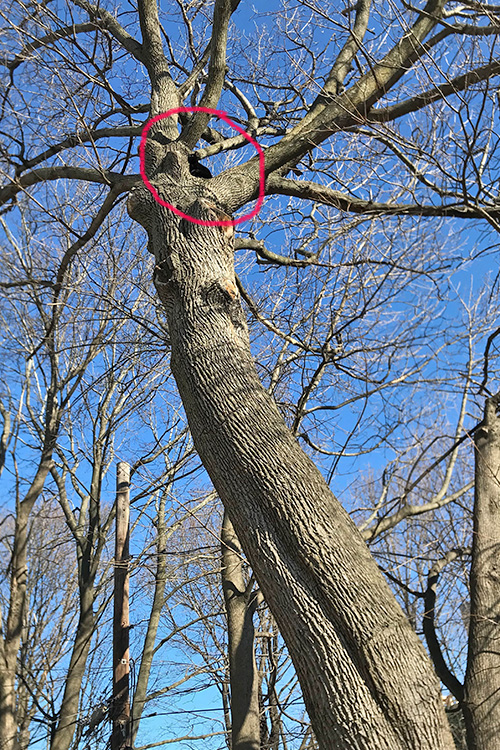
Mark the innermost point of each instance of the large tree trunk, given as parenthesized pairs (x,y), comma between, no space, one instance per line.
(243,676)
(366,679)
(482,680)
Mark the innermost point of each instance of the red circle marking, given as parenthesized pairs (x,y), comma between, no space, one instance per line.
(223,116)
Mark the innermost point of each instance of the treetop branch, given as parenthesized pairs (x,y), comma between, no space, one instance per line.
(216,71)
(164,94)
(107,21)
(438,93)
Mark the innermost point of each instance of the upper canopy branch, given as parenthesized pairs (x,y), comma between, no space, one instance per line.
(115,179)
(44,41)
(460,83)
(78,139)
(150,53)
(164,94)
(332,111)
(342,64)
(320,194)
(324,117)
(105,19)
(347,109)
(223,10)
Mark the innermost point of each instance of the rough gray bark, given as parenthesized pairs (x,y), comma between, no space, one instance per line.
(240,607)
(482,681)
(366,679)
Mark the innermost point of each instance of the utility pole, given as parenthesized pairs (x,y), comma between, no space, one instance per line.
(121,735)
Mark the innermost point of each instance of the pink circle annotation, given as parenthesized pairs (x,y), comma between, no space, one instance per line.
(223,116)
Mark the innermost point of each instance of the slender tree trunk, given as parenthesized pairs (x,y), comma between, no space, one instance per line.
(148,649)
(240,606)
(366,679)
(11,630)
(482,680)
(66,726)
(11,636)
(272,739)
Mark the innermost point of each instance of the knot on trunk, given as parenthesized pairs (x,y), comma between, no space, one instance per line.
(204,208)
(141,205)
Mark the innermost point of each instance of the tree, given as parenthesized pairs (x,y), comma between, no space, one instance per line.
(70,396)
(370,88)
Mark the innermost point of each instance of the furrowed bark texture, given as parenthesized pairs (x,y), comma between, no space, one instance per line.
(482,682)
(366,679)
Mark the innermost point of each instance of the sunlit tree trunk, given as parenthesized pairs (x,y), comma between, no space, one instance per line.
(66,726)
(366,679)
(11,629)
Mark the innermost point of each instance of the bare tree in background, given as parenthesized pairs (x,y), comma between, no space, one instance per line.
(361,114)
(71,393)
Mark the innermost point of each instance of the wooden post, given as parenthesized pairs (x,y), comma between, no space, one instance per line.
(121,735)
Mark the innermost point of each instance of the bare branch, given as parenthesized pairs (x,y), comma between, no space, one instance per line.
(163,91)
(460,83)
(78,139)
(106,20)
(320,194)
(429,626)
(267,255)
(44,41)
(216,71)
(342,65)
(122,183)
(408,511)
(345,111)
